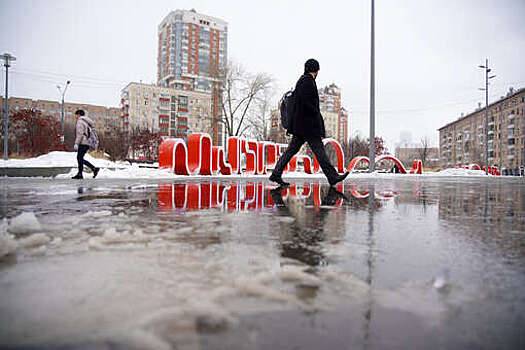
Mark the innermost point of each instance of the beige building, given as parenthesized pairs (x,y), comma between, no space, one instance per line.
(172,112)
(461,142)
(335,116)
(277,133)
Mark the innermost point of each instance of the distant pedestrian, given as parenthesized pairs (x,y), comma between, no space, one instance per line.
(82,134)
(307,125)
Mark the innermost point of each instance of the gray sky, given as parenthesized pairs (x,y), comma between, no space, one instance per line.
(427,52)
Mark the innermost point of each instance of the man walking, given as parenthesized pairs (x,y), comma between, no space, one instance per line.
(307,125)
(81,145)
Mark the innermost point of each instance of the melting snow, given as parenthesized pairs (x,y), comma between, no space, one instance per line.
(24,223)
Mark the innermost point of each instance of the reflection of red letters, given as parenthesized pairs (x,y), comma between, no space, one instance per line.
(244,196)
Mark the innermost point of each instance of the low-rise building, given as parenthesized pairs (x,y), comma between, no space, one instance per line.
(105,118)
(462,141)
(172,112)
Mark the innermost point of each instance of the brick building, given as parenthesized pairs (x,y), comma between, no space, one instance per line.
(105,118)
(461,142)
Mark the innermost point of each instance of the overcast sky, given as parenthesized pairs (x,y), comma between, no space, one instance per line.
(427,52)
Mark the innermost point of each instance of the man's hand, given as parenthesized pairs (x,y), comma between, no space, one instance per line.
(75,147)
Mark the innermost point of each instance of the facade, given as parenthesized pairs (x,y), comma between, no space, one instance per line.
(169,111)
(277,133)
(192,51)
(461,142)
(335,116)
(105,118)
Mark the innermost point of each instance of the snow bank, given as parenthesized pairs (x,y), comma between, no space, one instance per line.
(54,159)
(24,223)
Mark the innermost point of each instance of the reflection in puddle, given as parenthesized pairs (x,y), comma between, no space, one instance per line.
(178,265)
(246,196)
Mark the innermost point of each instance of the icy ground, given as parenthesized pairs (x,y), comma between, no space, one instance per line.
(397,262)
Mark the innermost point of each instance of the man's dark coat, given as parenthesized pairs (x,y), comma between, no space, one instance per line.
(307,120)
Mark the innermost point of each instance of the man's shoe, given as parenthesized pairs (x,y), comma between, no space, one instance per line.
(95,172)
(338,178)
(77,177)
(279,180)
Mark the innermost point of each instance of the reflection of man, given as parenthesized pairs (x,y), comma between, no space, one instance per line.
(307,125)
(300,241)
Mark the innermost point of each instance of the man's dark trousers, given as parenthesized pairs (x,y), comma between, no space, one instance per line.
(82,150)
(316,145)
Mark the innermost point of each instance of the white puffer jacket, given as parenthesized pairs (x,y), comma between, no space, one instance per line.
(81,130)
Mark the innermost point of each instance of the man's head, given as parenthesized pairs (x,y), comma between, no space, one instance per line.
(80,113)
(312,67)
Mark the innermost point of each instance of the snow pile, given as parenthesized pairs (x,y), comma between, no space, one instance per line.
(112,237)
(7,243)
(458,172)
(54,159)
(24,223)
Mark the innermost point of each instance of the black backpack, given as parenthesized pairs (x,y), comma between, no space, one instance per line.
(287,109)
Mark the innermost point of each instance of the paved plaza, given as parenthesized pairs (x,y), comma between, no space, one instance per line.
(406,262)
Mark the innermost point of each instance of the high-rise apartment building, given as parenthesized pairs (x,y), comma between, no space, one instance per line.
(461,142)
(335,116)
(192,51)
(169,111)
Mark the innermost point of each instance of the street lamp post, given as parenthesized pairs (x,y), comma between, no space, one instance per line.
(7,60)
(63,93)
(372,152)
(486,89)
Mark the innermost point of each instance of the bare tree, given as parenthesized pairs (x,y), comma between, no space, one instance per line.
(422,152)
(116,143)
(243,96)
(260,115)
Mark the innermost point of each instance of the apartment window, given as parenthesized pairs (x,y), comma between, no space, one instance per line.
(183,102)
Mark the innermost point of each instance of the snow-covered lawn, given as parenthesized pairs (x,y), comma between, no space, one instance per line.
(55,159)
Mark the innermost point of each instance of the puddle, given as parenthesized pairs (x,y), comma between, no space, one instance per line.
(373,263)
